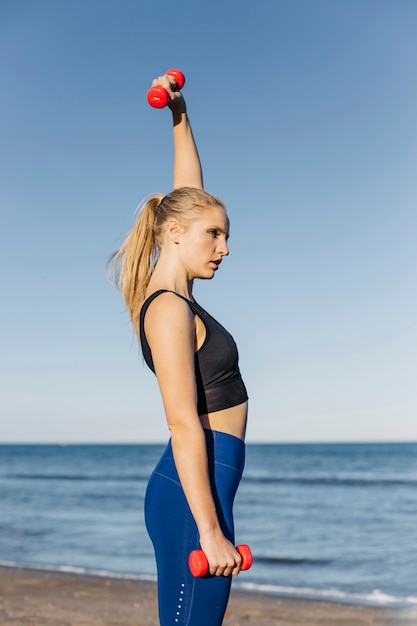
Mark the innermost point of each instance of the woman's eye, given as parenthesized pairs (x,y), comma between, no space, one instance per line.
(213,232)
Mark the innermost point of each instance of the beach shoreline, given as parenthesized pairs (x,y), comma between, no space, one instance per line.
(51,598)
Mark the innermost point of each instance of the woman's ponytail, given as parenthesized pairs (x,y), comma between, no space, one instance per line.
(130,268)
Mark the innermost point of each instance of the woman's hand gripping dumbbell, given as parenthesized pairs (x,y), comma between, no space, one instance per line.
(158,96)
(199,566)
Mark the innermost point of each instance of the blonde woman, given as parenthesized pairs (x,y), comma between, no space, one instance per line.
(177,238)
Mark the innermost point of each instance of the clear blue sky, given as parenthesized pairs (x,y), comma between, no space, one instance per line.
(305,116)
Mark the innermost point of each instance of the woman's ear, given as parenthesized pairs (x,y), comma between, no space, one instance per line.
(173,230)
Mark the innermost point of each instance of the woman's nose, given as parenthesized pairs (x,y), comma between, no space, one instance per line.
(224,248)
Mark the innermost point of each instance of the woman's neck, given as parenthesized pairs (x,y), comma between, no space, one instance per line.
(167,275)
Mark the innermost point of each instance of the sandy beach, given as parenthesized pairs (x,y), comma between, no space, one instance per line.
(30,597)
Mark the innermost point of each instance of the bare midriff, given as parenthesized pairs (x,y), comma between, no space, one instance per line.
(231,421)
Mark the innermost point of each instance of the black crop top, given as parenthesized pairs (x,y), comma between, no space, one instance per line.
(219,383)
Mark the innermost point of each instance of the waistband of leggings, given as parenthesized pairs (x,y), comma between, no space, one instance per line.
(221,448)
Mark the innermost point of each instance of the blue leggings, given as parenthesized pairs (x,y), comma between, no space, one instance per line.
(183,599)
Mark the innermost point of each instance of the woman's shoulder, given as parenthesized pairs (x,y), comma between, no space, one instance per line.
(169,323)
(167,306)
(150,297)
(164,295)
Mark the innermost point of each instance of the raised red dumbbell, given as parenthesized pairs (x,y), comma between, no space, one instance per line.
(158,96)
(199,566)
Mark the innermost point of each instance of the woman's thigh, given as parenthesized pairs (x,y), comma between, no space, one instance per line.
(184,599)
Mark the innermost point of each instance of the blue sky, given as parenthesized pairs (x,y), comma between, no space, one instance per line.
(305,116)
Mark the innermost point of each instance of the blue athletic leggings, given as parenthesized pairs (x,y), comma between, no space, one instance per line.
(183,599)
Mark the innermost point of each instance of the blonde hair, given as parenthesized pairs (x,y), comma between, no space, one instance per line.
(130,268)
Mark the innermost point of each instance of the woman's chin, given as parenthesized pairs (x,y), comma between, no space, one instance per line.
(207,275)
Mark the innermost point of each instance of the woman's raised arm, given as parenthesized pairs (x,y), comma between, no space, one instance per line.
(187,166)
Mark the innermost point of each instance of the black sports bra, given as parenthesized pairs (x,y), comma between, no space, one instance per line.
(219,383)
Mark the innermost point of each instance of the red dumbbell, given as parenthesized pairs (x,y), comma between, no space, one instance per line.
(199,566)
(158,97)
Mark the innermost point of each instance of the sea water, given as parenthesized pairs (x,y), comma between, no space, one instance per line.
(329,521)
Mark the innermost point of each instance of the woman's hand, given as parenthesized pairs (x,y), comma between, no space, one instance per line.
(222,556)
(176,101)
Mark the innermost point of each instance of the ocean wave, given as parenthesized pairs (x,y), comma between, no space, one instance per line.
(79,477)
(348,481)
(79,571)
(375,598)
(11,531)
(272,560)
(320,480)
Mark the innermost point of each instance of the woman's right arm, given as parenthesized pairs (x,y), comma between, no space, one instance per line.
(187,165)
(170,330)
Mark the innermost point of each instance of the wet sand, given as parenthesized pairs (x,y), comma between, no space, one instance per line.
(30,597)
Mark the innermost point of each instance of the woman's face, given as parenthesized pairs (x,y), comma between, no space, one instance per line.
(203,243)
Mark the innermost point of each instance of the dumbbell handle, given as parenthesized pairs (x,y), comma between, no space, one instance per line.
(199,566)
(157,96)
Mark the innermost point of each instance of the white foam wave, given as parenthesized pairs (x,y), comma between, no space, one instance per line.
(81,571)
(375,598)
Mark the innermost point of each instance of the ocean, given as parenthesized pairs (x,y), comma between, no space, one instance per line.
(324,521)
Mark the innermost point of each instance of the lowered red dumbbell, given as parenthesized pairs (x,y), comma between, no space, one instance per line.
(199,566)
(158,96)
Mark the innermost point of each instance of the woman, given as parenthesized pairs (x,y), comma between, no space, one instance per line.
(188,505)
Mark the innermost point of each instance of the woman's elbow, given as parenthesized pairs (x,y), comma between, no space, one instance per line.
(181,426)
